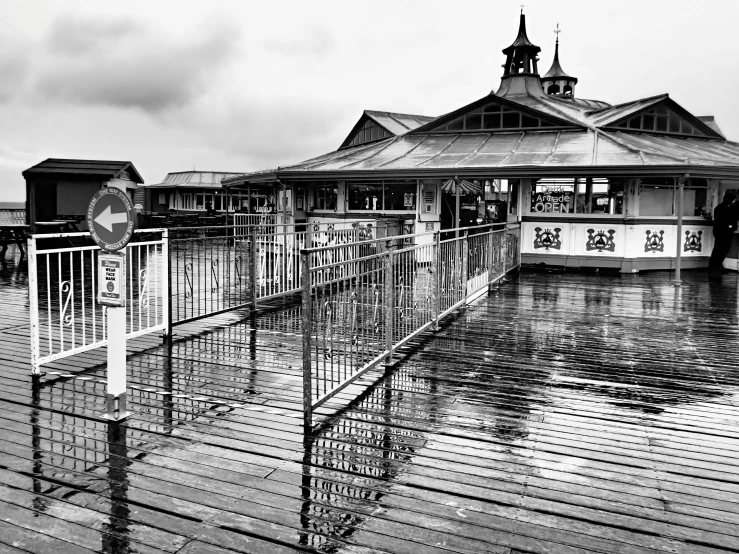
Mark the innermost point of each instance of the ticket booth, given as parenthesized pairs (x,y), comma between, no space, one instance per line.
(58,191)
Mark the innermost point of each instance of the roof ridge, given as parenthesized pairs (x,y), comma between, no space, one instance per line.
(614,106)
(391,114)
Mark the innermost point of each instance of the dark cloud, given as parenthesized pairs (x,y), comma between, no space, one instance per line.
(125,63)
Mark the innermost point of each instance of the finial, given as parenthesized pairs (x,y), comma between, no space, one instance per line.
(557,31)
(521,9)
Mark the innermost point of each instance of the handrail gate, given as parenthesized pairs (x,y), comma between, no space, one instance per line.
(66,318)
(358,310)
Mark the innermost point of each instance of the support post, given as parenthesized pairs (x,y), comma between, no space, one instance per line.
(167,285)
(33,301)
(465,266)
(389,303)
(491,259)
(456,207)
(307,322)
(284,237)
(679,238)
(253,265)
(436,291)
(504,250)
(116,370)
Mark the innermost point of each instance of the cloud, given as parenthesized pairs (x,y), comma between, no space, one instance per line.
(125,63)
(266,133)
(316,42)
(15,60)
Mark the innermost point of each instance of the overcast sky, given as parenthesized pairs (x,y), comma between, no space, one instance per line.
(241,86)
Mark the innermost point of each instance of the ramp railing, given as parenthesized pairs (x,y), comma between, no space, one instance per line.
(220,269)
(66,318)
(358,310)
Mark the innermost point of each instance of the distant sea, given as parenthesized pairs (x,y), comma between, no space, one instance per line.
(12,205)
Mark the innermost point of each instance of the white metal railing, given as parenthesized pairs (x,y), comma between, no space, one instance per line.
(219,269)
(66,318)
(12,216)
(243,222)
(358,310)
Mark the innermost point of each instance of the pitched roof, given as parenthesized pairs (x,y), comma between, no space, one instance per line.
(525,149)
(393,123)
(194,179)
(103,168)
(398,123)
(552,117)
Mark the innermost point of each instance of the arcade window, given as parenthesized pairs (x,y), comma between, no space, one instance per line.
(369,132)
(597,196)
(493,117)
(658,197)
(325,197)
(389,195)
(660,119)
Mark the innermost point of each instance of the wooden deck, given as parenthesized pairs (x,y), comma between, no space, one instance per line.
(564,413)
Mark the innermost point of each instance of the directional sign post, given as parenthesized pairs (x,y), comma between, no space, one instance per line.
(110,221)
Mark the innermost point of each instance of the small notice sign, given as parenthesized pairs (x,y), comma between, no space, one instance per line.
(112,279)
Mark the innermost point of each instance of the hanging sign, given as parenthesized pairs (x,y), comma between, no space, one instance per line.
(110,219)
(112,279)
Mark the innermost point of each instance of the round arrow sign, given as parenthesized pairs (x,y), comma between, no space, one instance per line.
(110,219)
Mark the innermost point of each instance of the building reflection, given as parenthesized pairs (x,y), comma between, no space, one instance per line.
(352,460)
(116,539)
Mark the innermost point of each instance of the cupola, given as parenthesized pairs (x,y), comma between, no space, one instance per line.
(556,81)
(520,74)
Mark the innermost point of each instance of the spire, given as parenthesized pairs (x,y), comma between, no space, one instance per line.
(556,81)
(520,74)
(522,40)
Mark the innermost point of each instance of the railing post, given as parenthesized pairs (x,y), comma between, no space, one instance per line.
(389,303)
(518,246)
(33,301)
(167,285)
(436,290)
(306,323)
(504,250)
(253,266)
(465,265)
(491,258)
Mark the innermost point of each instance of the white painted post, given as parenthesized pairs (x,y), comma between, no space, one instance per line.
(166,286)
(33,301)
(116,371)
(678,258)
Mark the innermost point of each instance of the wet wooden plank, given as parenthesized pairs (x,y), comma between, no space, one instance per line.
(538,442)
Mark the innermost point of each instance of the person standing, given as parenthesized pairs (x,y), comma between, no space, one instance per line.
(725,218)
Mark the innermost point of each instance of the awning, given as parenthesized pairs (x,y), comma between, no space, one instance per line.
(465,187)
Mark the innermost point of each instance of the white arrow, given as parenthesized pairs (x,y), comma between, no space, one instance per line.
(107,219)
